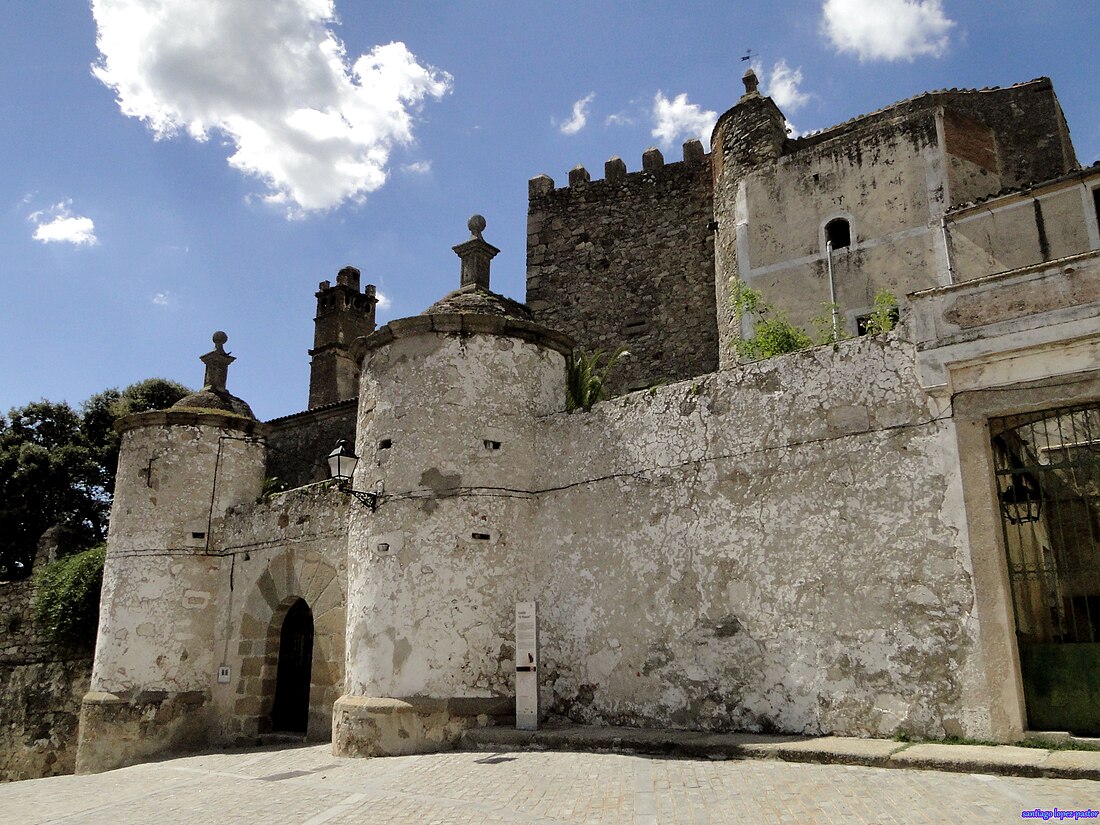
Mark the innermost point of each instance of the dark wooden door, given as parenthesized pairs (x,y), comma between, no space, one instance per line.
(291,710)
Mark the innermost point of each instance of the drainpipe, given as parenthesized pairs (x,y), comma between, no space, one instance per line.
(947,250)
(832,292)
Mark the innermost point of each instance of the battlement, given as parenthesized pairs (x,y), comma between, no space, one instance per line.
(615,171)
(629,261)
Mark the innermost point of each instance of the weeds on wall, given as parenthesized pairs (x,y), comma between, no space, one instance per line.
(884,317)
(586,379)
(773,334)
(66,597)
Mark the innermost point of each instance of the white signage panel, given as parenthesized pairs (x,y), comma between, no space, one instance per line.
(527,663)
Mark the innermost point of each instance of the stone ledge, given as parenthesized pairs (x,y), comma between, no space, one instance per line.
(463,324)
(386,726)
(1006,760)
(127,727)
(191,417)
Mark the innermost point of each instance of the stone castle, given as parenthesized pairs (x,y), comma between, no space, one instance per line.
(892,533)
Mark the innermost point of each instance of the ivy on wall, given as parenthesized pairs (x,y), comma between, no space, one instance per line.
(66,599)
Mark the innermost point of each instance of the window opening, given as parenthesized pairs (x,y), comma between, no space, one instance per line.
(838,232)
(863,320)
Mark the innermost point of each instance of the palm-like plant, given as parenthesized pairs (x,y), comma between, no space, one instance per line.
(586,380)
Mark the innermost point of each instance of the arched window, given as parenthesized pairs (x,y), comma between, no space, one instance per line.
(838,232)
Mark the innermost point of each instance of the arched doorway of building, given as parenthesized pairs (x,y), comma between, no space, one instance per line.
(291,709)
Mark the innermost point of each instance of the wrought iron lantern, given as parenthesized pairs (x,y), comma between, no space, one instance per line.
(341,467)
(1022,501)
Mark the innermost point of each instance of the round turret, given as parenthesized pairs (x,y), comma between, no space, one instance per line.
(750,134)
(179,470)
(445,432)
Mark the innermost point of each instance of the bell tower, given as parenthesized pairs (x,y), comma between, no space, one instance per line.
(343,314)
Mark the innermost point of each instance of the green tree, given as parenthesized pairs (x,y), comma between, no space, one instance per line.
(66,602)
(48,475)
(57,466)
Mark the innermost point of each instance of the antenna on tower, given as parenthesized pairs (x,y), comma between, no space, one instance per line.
(748,55)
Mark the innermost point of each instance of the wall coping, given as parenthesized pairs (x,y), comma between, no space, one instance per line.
(184,416)
(462,324)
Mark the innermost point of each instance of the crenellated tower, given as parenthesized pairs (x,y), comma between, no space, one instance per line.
(344,313)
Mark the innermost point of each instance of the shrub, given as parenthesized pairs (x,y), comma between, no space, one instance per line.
(66,601)
(884,317)
(772,334)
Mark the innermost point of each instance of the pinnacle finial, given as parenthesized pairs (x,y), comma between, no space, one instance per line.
(217,363)
(476,253)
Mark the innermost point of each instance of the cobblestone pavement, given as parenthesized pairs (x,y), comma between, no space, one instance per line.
(309,786)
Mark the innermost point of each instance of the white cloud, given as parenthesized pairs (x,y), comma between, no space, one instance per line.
(57,224)
(782,86)
(314,125)
(580,115)
(677,118)
(384,301)
(162,299)
(619,119)
(887,29)
(419,167)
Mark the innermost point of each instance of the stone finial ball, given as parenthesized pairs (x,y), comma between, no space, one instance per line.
(476,224)
(219,338)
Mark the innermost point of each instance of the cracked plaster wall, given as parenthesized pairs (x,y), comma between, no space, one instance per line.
(163,583)
(435,573)
(771,548)
(775,547)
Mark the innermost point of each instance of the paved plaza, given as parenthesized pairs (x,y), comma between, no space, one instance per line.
(309,786)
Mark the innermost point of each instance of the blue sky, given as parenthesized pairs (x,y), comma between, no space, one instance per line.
(172,168)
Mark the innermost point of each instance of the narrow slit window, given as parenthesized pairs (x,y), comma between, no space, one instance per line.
(491,445)
(838,232)
(385,443)
(481,536)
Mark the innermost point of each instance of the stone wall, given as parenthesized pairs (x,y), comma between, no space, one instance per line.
(289,547)
(298,445)
(41,685)
(1042,224)
(629,261)
(774,548)
(891,174)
